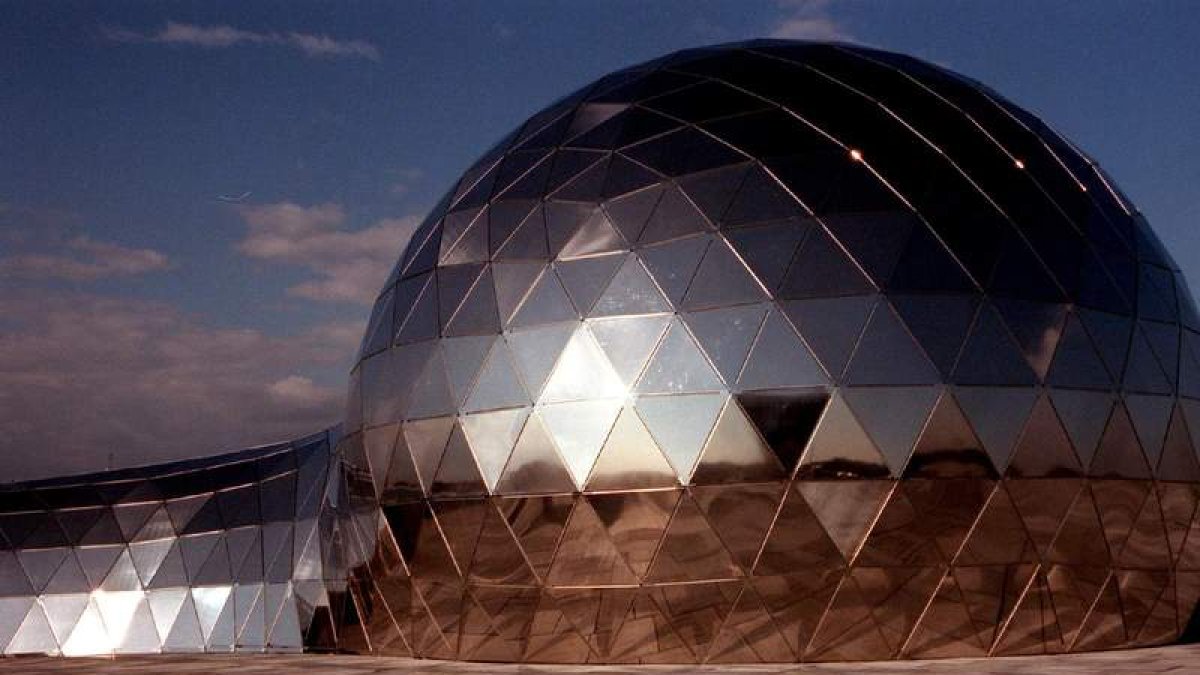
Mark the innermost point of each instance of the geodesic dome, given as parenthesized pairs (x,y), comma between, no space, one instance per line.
(779,351)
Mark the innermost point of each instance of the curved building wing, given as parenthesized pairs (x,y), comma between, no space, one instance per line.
(234,552)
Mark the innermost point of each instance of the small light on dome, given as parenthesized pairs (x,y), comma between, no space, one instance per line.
(1020,164)
(855,155)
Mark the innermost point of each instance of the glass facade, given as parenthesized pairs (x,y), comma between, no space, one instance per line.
(785,352)
(237,552)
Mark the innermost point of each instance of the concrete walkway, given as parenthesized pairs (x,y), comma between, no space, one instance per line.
(1181,659)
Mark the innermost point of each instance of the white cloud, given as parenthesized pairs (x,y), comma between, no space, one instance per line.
(350,265)
(221,36)
(84,259)
(85,375)
(809,20)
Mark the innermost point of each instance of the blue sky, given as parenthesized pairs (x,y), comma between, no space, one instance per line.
(143,316)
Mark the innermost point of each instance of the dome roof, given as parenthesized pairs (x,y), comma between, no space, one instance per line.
(781,306)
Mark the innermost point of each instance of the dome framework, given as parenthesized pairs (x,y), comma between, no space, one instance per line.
(777,352)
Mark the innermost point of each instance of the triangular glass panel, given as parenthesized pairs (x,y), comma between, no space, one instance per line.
(674,263)
(459,522)
(1110,334)
(678,366)
(1083,414)
(1044,450)
(822,269)
(741,515)
(148,556)
(628,342)
(76,522)
(722,279)
(547,302)
(785,419)
(453,284)
(998,536)
(421,321)
(847,630)
(513,282)
(948,447)
(726,336)
(631,291)
(1150,416)
(69,578)
(1164,341)
(680,424)
(635,522)
(534,465)
(945,628)
(458,474)
(990,355)
(426,441)
(583,372)
(674,216)
(797,540)
(471,246)
(1076,362)
(586,556)
(997,415)
(831,326)
(927,266)
(1037,327)
(585,279)
(690,550)
(35,635)
(505,216)
(579,430)
(939,322)
(583,186)
(768,250)
(735,453)
(455,226)
(1143,372)
(563,220)
(630,212)
(431,392)
(892,416)
(1120,453)
(630,459)
(625,176)
(41,564)
(840,448)
(498,385)
(536,350)
(712,190)
(780,359)
(887,354)
(98,560)
(528,242)
(498,558)
(464,357)
(1178,460)
(760,198)
(684,151)
(874,240)
(492,436)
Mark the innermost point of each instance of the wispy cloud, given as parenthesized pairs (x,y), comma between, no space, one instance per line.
(809,20)
(87,374)
(84,259)
(222,36)
(350,265)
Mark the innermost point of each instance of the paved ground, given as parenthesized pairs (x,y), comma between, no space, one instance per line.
(1133,662)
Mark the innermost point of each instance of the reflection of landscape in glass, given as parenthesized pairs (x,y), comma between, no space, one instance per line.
(780,352)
